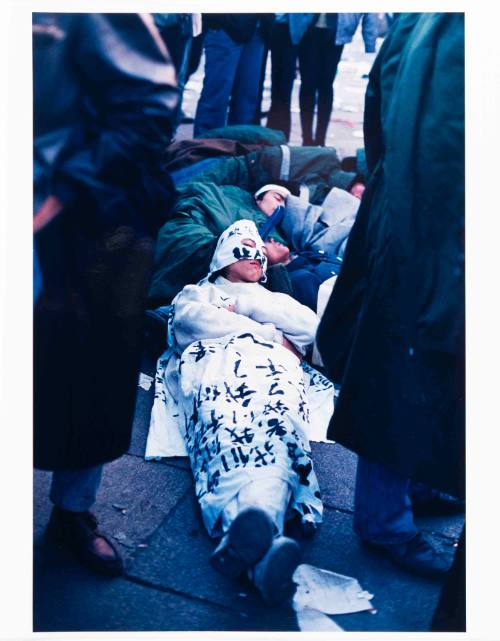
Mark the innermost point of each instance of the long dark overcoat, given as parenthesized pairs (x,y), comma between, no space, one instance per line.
(393,332)
(104,93)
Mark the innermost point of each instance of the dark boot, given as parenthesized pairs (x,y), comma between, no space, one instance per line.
(273,575)
(247,541)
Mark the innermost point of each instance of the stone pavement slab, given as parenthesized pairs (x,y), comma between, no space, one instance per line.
(68,598)
(336,471)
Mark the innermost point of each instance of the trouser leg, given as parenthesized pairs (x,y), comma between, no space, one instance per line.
(245,90)
(270,495)
(75,490)
(283,69)
(258,107)
(222,55)
(308,65)
(331,54)
(382,508)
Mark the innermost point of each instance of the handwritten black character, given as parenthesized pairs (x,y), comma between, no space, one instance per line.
(272,388)
(271,367)
(248,335)
(260,458)
(246,437)
(275,427)
(236,367)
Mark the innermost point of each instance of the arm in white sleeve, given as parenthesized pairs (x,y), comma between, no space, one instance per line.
(196,318)
(297,322)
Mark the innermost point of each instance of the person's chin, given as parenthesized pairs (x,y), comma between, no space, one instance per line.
(254,277)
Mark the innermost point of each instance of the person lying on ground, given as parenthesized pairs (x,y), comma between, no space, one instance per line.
(306,227)
(237,383)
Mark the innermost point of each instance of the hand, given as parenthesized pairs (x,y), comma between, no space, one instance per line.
(357,190)
(50,208)
(289,346)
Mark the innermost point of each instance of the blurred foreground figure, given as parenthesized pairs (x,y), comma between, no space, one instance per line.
(178,31)
(393,332)
(104,95)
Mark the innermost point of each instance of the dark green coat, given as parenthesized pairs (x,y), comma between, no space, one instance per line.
(393,332)
(317,167)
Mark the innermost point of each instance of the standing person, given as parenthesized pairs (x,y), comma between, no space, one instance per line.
(320,51)
(392,334)
(286,32)
(104,96)
(234,49)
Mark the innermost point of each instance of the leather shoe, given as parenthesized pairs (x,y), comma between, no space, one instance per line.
(440,504)
(417,556)
(78,532)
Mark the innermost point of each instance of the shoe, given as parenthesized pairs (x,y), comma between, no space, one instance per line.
(249,537)
(440,504)
(78,532)
(417,556)
(273,575)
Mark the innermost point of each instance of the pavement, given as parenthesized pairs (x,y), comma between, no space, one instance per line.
(150,511)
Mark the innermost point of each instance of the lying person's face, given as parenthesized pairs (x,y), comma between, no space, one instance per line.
(244,270)
(269,201)
(276,252)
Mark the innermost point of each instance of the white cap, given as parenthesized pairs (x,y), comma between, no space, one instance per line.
(278,188)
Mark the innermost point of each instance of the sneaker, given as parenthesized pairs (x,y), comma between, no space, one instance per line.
(273,575)
(248,539)
(78,532)
(417,556)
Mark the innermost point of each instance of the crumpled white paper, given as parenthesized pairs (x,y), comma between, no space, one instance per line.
(327,593)
(310,620)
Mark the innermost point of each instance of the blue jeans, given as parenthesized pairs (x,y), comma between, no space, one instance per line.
(75,490)
(383,511)
(232,75)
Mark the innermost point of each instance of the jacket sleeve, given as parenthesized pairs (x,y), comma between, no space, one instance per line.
(129,91)
(320,228)
(297,322)
(197,318)
(238,26)
(369,30)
